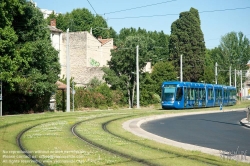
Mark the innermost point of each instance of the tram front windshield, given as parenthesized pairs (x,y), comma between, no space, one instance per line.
(168,93)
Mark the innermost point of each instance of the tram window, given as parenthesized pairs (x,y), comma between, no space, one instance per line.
(220,94)
(168,94)
(216,94)
(210,94)
(179,94)
(196,93)
(188,93)
(225,94)
(202,94)
(192,94)
(185,93)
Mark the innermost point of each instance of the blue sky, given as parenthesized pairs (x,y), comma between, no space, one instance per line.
(158,15)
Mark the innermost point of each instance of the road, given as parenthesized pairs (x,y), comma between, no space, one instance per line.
(221,131)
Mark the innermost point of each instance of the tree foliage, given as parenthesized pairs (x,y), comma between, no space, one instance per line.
(82,19)
(29,64)
(163,71)
(122,66)
(161,41)
(234,51)
(187,39)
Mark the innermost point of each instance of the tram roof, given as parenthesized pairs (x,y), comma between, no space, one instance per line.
(194,84)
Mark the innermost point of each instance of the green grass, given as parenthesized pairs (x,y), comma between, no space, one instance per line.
(52,142)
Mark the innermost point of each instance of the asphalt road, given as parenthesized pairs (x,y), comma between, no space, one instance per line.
(221,131)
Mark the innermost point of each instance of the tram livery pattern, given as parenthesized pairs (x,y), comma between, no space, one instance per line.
(179,95)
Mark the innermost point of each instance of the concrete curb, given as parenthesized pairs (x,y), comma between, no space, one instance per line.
(133,126)
(245,123)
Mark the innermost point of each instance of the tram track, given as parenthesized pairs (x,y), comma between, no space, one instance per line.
(19,144)
(27,152)
(104,127)
(109,150)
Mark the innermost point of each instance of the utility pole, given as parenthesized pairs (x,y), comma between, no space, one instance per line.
(230,75)
(68,73)
(1,99)
(181,74)
(216,65)
(240,85)
(137,77)
(235,78)
(73,93)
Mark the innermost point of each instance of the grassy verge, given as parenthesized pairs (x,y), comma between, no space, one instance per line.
(52,142)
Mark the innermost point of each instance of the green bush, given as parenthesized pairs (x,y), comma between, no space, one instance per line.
(118,98)
(106,92)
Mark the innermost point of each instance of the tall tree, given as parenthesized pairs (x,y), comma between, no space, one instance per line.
(235,51)
(122,66)
(187,39)
(30,65)
(161,50)
(209,73)
(82,19)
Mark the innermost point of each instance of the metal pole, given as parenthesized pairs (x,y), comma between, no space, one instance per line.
(240,85)
(216,81)
(68,74)
(1,112)
(181,74)
(235,78)
(73,97)
(230,75)
(137,77)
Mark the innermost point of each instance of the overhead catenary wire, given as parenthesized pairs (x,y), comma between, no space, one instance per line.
(174,14)
(92,7)
(139,7)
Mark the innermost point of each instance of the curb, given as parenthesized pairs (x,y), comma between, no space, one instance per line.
(245,123)
(133,126)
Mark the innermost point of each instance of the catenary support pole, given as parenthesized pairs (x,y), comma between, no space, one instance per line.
(216,74)
(181,74)
(1,99)
(235,78)
(240,85)
(73,93)
(68,74)
(230,76)
(137,77)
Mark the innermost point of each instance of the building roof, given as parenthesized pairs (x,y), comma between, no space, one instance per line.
(54,29)
(61,85)
(104,41)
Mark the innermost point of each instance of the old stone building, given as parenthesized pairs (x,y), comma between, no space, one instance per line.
(87,56)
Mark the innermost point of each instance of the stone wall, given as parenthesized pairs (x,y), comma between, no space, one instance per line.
(88,74)
(83,47)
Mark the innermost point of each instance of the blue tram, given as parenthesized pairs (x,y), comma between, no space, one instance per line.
(180,95)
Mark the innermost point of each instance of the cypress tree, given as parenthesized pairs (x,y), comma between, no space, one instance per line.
(187,39)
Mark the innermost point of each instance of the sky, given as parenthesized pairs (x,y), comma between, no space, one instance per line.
(218,17)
